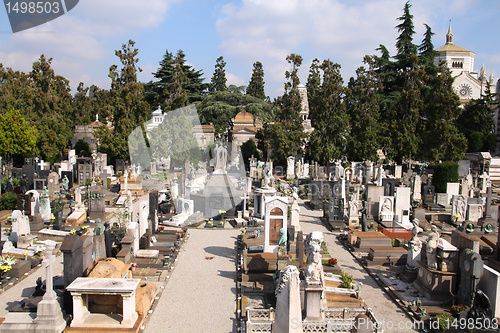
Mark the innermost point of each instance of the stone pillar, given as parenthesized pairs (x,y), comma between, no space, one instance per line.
(288,313)
(80,311)
(72,249)
(129,314)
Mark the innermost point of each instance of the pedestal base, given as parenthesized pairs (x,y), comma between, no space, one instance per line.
(313,302)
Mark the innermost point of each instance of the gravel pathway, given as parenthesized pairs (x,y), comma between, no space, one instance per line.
(200,295)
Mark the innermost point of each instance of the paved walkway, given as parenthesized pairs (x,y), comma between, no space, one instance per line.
(26,287)
(384,309)
(200,295)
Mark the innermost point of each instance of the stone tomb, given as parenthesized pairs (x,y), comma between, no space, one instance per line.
(97,206)
(402,209)
(386,209)
(474,212)
(96,302)
(275,219)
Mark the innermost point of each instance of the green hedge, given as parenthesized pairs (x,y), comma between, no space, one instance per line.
(446,172)
(8,201)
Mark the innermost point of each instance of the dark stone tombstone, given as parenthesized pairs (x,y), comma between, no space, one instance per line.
(72,249)
(428,194)
(299,247)
(68,174)
(24,204)
(58,222)
(389,186)
(119,166)
(108,241)
(471,271)
(43,174)
(153,211)
(29,176)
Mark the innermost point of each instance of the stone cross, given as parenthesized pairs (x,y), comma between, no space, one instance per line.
(50,294)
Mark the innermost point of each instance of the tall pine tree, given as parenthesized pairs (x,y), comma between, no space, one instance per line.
(256,85)
(219,80)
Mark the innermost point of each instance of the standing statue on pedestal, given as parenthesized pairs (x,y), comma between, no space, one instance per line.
(314,267)
(431,249)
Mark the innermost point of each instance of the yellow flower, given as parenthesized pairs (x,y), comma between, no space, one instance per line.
(72,232)
(25,253)
(84,227)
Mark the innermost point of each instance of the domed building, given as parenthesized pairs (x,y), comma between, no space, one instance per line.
(243,130)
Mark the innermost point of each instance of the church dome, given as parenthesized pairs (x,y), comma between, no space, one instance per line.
(243,118)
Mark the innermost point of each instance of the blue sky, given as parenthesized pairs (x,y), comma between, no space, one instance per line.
(82,42)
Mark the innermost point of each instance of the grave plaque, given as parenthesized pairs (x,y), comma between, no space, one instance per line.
(428,194)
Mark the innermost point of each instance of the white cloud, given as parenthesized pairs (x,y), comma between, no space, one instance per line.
(341,30)
(234,79)
(82,42)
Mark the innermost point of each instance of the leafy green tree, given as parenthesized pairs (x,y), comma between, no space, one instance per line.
(82,148)
(440,138)
(17,136)
(286,135)
(249,149)
(173,69)
(330,120)
(363,107)
(83,105)
(256,85)
(126,98)
(220,108)
(218,82)
(404,43)
(477,124)
(313,86)
(174,137)
(52,111)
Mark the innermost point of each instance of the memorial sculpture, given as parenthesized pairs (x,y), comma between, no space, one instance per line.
(431,248)
(314,267)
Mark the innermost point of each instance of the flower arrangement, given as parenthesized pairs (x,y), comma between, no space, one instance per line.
(458,308)
(161,229)
(332,261)
(52,218)
(210,223)
(222,213)
(456,216)
(6,263)
(72,232)
(83,229)
(221,222)
(25,254)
